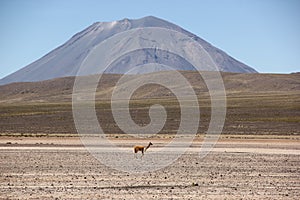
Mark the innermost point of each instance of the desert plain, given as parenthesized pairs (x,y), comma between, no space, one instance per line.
(257,155)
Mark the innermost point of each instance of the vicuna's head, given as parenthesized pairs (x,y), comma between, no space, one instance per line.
(148,146)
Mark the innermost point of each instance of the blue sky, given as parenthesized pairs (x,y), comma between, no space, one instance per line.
(264,34)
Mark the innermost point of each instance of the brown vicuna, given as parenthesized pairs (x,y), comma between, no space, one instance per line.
(141,148)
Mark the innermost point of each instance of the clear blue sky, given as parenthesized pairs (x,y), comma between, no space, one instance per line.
(264,34)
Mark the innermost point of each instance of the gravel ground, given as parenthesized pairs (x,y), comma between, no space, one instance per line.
(41,168)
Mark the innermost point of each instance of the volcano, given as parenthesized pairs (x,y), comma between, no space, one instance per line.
(66,60)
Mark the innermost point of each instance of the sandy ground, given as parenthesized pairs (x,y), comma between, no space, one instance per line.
(61,168)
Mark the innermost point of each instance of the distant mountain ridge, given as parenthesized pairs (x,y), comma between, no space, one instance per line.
(60,89)
(66,59)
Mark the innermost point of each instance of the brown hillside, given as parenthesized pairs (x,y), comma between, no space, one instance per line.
(60,90)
